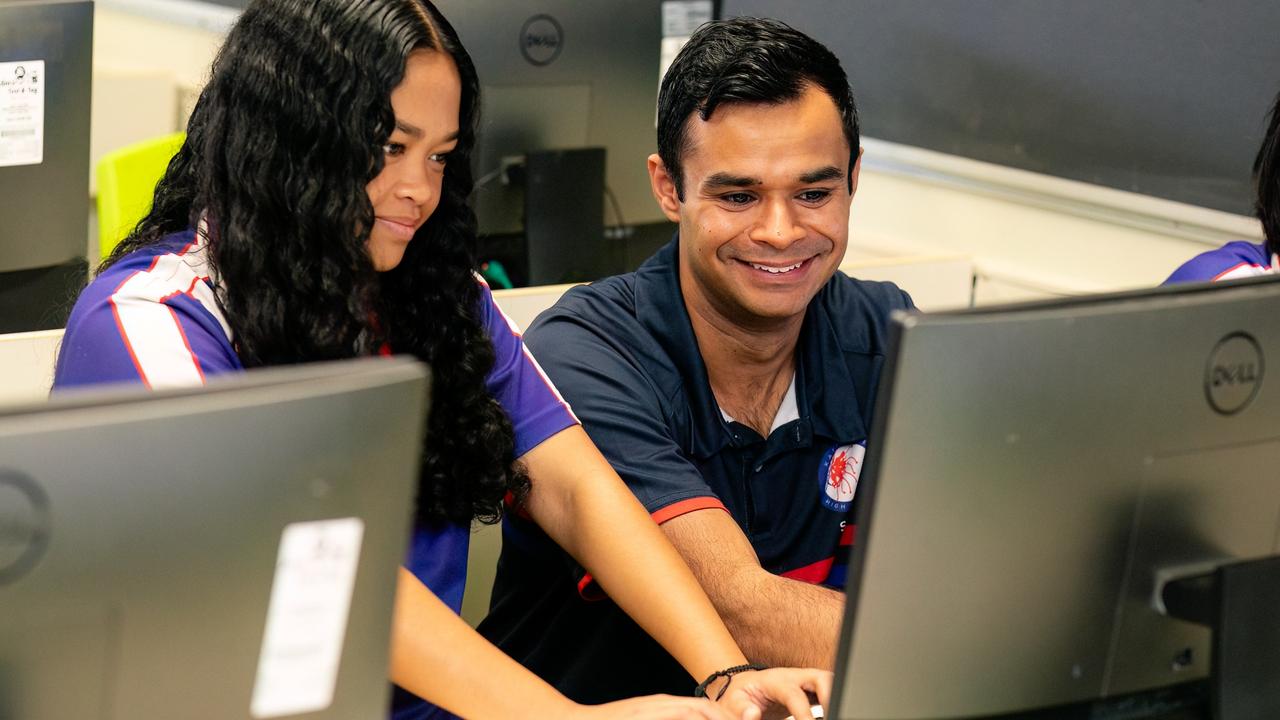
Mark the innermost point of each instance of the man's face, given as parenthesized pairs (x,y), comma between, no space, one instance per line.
(765,216)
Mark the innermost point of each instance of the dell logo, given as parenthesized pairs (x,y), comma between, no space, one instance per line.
(541,40)
(24,525)
(1234,373)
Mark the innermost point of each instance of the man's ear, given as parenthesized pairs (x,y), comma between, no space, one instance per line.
(853,174)
(664,188)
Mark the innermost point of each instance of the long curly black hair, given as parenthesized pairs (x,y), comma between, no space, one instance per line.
(279,149)
(1266,180)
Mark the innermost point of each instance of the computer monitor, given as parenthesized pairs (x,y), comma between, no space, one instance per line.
(562,75)
(229,551)
(1033,473)
(46,51)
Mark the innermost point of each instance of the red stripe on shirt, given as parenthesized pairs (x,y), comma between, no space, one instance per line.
(187,344)
(124,337)
(588,590)
(815,573)
(1235,267)
(850,532)
(675,510)
(510,501)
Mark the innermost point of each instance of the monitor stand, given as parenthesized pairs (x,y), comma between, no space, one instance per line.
(1239,602)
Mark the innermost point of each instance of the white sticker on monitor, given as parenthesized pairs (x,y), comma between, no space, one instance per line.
(681,17)
(22,90)
(307,617)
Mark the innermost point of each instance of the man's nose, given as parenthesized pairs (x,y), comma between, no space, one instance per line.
(777,226)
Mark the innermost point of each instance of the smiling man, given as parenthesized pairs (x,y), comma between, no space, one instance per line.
(729,380)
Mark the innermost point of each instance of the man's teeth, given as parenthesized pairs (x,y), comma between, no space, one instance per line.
(777,270)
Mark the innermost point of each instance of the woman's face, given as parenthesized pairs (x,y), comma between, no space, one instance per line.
(426,105)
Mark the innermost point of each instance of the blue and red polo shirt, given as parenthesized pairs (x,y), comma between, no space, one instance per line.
(1238,259)
(623,352)
(153,318)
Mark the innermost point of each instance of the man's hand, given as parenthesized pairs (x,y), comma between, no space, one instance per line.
(754,693)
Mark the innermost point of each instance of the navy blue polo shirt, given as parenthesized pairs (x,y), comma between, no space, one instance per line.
(623,353)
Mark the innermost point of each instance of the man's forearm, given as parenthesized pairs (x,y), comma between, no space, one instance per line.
(775,620)
(782,622)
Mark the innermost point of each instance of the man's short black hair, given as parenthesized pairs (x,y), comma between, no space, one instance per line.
(1266,179)
(748,60)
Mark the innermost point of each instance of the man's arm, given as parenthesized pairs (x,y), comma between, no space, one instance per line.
(775,620)
(579,501)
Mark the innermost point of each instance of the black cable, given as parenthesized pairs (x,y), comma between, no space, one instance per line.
(617,209)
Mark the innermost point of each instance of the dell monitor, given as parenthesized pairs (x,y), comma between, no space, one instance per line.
(227,551)
(46,50)
(1038,476)
(563,76)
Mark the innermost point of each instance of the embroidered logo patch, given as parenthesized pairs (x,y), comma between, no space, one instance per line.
(839,473)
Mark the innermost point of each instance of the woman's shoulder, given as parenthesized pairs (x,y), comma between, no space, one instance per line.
(1235,259)
(152,315)
(181,250)
(172,268)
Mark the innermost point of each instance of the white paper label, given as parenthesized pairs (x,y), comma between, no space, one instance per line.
(681,17)
(307,617)
(667,55)
(22,89)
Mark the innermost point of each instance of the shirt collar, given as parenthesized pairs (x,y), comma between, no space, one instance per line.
(827,396)
(660,309)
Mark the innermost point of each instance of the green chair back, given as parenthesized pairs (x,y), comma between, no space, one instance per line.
(126,182)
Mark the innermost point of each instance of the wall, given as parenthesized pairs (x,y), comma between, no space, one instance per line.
(1162,97)
(1029,235)
(147,72)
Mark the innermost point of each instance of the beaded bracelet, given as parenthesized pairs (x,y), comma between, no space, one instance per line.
(701,690)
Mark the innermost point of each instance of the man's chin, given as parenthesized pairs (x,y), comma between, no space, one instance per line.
(775,310)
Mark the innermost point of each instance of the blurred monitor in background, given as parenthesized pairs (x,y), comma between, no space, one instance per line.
(45,66)
(561,75)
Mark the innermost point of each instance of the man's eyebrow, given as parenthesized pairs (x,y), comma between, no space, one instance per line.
(829,172)
(723,180)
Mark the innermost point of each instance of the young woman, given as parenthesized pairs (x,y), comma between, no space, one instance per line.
(317,210)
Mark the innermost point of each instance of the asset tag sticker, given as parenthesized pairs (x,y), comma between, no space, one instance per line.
(681,17)
(307,617)
(22,90)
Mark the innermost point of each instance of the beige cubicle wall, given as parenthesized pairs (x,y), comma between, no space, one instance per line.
(26,365)
(1029,235)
